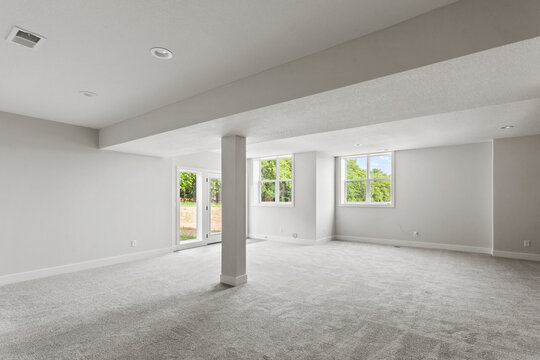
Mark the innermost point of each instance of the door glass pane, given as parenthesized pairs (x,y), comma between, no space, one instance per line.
(268,169)
(380,166)
(188,206)
(285,169)
(285,191)
(215,205)
(268,191)
(356,168)
(356,191)
(381,191)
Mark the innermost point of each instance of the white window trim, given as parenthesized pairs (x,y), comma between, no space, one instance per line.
(341,199)
(275,203)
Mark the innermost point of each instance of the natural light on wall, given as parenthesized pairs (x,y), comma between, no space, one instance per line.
(275,180)
(367,180)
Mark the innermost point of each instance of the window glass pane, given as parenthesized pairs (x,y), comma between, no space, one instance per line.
(356,191)
(285,191)
(188,206)
(215,205)
(381,191)
(380,166)
(356,168)
(268,192)
(285,168)
(268,169)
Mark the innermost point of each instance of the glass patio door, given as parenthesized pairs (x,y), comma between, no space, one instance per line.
(198,210)
(213,208)
(189,209)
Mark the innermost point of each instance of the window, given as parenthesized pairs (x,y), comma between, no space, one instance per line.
(276,180)
(367,180)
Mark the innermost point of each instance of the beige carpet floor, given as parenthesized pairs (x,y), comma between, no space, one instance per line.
(340,300)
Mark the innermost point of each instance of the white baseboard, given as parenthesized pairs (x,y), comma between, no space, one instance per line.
(415,244)
(232,280)
(290,240)
(516,255)
(324,239)
(91,264)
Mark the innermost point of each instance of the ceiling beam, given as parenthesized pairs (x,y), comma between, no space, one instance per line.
(459,29)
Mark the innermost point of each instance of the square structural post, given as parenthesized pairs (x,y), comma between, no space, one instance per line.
(233,197)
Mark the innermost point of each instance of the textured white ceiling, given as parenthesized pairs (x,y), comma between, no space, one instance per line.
(461,127)
(504,75)
(103,46)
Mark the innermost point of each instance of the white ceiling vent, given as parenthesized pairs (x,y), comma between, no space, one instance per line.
(25,38)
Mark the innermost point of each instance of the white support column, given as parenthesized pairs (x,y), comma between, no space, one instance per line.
(233,236)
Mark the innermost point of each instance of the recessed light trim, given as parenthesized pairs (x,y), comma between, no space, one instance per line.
(161,53)
(506,127)
(87,93)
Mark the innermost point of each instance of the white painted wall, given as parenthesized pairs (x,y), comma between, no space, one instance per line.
(516,194)
(325,200)
(444,193)
(283,221)
(312,216)
(63,201)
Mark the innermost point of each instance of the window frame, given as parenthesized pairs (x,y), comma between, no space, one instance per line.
(342,199)
(276,202)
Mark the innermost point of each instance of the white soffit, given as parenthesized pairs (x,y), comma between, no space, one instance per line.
(479,92)
(103,46)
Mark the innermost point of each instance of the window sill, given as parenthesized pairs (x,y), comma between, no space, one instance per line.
(369,205)
(274,205)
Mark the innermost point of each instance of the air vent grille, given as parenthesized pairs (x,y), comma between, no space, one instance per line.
(25,38)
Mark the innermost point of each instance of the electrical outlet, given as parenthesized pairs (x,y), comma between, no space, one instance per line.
(133,243)
(527,243)
(416,234)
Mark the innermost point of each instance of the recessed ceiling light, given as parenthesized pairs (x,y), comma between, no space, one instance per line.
(357,144)
(507,127)
(87,93)
(161,53)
